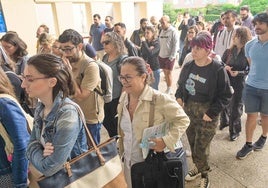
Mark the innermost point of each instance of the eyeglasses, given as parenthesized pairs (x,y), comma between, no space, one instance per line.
(190,32)
(106,42)
(126,78)
(67,50)
(30,79)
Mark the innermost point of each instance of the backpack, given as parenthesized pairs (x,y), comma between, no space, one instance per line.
(106,75)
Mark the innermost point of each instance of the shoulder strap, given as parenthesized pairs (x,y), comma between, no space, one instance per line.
(118,64)
(27,116)
(152,109)
(91,142)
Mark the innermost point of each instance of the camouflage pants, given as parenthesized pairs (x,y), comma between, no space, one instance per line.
(200,134)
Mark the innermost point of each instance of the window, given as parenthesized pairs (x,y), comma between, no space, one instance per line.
(80,18)
(45,16)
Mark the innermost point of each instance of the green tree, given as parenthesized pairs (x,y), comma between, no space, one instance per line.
(170,11)
(256,6)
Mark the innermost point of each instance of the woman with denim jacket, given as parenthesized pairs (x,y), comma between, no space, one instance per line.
(13,170)
(58,133)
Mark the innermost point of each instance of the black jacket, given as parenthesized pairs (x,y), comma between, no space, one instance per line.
(219,87)
(150,55)
(131,48)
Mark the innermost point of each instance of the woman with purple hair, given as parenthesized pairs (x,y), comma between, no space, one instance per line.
(203,91)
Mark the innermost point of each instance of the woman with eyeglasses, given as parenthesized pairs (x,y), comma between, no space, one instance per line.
(114,48)
(13,163)
(191,33)
(134,110)
(237,67)
(55,48)
(16,49)
(58,133)
(203,90)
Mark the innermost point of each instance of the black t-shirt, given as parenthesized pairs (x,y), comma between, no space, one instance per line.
(197,83)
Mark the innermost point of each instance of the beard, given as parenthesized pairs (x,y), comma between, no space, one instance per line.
(259,31)
(73,59)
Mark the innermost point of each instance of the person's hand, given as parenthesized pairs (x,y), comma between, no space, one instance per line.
(143,39)
(207,118)
(66,62)
(171,58)
(159,144)
(185,21)
(179,100)
(228,68)
(48,150)
(233,73)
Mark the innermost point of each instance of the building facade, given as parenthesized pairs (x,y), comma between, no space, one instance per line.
(24,16)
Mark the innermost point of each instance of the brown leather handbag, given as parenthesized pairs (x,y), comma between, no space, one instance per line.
(99,167)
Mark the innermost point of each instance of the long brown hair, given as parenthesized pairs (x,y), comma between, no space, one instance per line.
(53,66)
(244,35)
(12,38)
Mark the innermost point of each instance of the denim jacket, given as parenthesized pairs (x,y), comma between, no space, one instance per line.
(15,124)
(64,129)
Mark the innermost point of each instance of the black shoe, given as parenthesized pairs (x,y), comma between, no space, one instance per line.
(234,136)
(258,145)
(244,152)
(222,126)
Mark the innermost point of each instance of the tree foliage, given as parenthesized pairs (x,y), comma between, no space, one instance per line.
(256,6)
(213,11)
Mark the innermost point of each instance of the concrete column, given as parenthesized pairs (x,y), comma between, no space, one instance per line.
(20,16)
(63,16)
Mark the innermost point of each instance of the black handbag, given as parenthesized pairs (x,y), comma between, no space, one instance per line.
(160,169)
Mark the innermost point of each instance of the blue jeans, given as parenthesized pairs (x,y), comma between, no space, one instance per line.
(95,131)
(255,100)
(156,79)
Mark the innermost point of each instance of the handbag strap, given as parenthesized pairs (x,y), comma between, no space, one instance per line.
(151,113)
(90,140)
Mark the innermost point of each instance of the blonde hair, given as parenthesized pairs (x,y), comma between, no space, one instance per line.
(5,85)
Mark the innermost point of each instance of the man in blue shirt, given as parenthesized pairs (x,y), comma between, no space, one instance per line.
(255,94)
(95,35)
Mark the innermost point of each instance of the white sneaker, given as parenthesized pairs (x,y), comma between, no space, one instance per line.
(204,183)
(192,174)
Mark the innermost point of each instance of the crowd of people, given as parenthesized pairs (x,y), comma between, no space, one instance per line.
(222,70)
